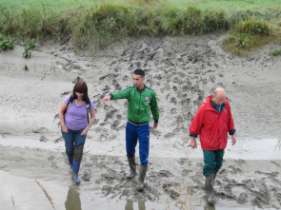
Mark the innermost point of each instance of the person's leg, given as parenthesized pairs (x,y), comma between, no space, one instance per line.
(209,172)
(219,160)
(131,142)
(143,135)
(131,139)
(77,155)
(69,145)
(209,163)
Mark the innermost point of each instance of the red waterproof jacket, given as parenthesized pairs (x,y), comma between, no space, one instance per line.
(212,126)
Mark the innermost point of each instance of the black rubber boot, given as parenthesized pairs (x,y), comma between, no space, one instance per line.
(132,166)
(140,186)
(209,187)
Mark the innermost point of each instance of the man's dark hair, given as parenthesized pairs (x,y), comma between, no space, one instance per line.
(139,72)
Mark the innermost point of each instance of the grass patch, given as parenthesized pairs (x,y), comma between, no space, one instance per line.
(109,23)
(99,23)
(276,53)
(6,43)
(254,27)
(29,45)
(248,35)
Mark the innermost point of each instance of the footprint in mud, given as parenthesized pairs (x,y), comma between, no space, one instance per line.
(153,175)
(212,78)
(52,161)
(43,139)
(4,134)
(116,85)
(115,125)
(86,176)
(242,198)
(198,181)
(233,170)
(173,111)
(173,100)
(103,137)
(182,162)
(186,172)
(259,191)
(105,89)
(105,76)
(169,135)
(65,93)
(40,130)
(171,190)
(268,174)
(114,184)
(59,139)
(110,114)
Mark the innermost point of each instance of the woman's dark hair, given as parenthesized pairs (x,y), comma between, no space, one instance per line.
(80,87)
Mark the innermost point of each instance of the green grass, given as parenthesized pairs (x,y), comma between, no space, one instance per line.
(251,34)
(6,43)
(102,22)
(229,6)
(29,45)
(276,52)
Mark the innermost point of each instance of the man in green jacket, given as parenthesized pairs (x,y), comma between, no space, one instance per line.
(141,103)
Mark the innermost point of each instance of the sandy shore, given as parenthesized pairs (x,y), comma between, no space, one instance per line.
(182,71)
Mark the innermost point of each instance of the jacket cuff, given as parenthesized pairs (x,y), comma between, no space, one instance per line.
(232,132)
(193,135)
(111,96)
(156,121)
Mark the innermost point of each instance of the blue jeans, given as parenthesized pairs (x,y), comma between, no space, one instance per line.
(74,144)
(135,132)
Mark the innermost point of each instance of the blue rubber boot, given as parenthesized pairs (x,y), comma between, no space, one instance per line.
(75,169)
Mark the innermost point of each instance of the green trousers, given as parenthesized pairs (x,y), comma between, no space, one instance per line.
(212,161)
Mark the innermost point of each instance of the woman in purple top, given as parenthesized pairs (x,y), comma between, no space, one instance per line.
(77,115)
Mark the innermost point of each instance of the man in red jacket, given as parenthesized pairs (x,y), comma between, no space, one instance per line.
(213,122)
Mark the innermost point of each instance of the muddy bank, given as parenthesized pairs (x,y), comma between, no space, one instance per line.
(182,71)
(171,183)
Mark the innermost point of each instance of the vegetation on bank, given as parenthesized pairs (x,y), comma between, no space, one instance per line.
(6,43)
(92,22)
(276,52)
(249,34)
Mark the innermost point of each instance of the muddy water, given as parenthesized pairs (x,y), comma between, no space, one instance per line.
(29,194)
(40,179)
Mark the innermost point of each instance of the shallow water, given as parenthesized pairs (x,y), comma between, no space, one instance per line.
(19,193)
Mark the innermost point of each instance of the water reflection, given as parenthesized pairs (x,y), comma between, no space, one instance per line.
(130,205)
(73,201)
(209,207)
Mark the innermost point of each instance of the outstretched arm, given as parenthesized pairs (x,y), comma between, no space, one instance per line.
(121,94)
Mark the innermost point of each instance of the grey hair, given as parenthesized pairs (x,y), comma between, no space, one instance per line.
(213,90)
